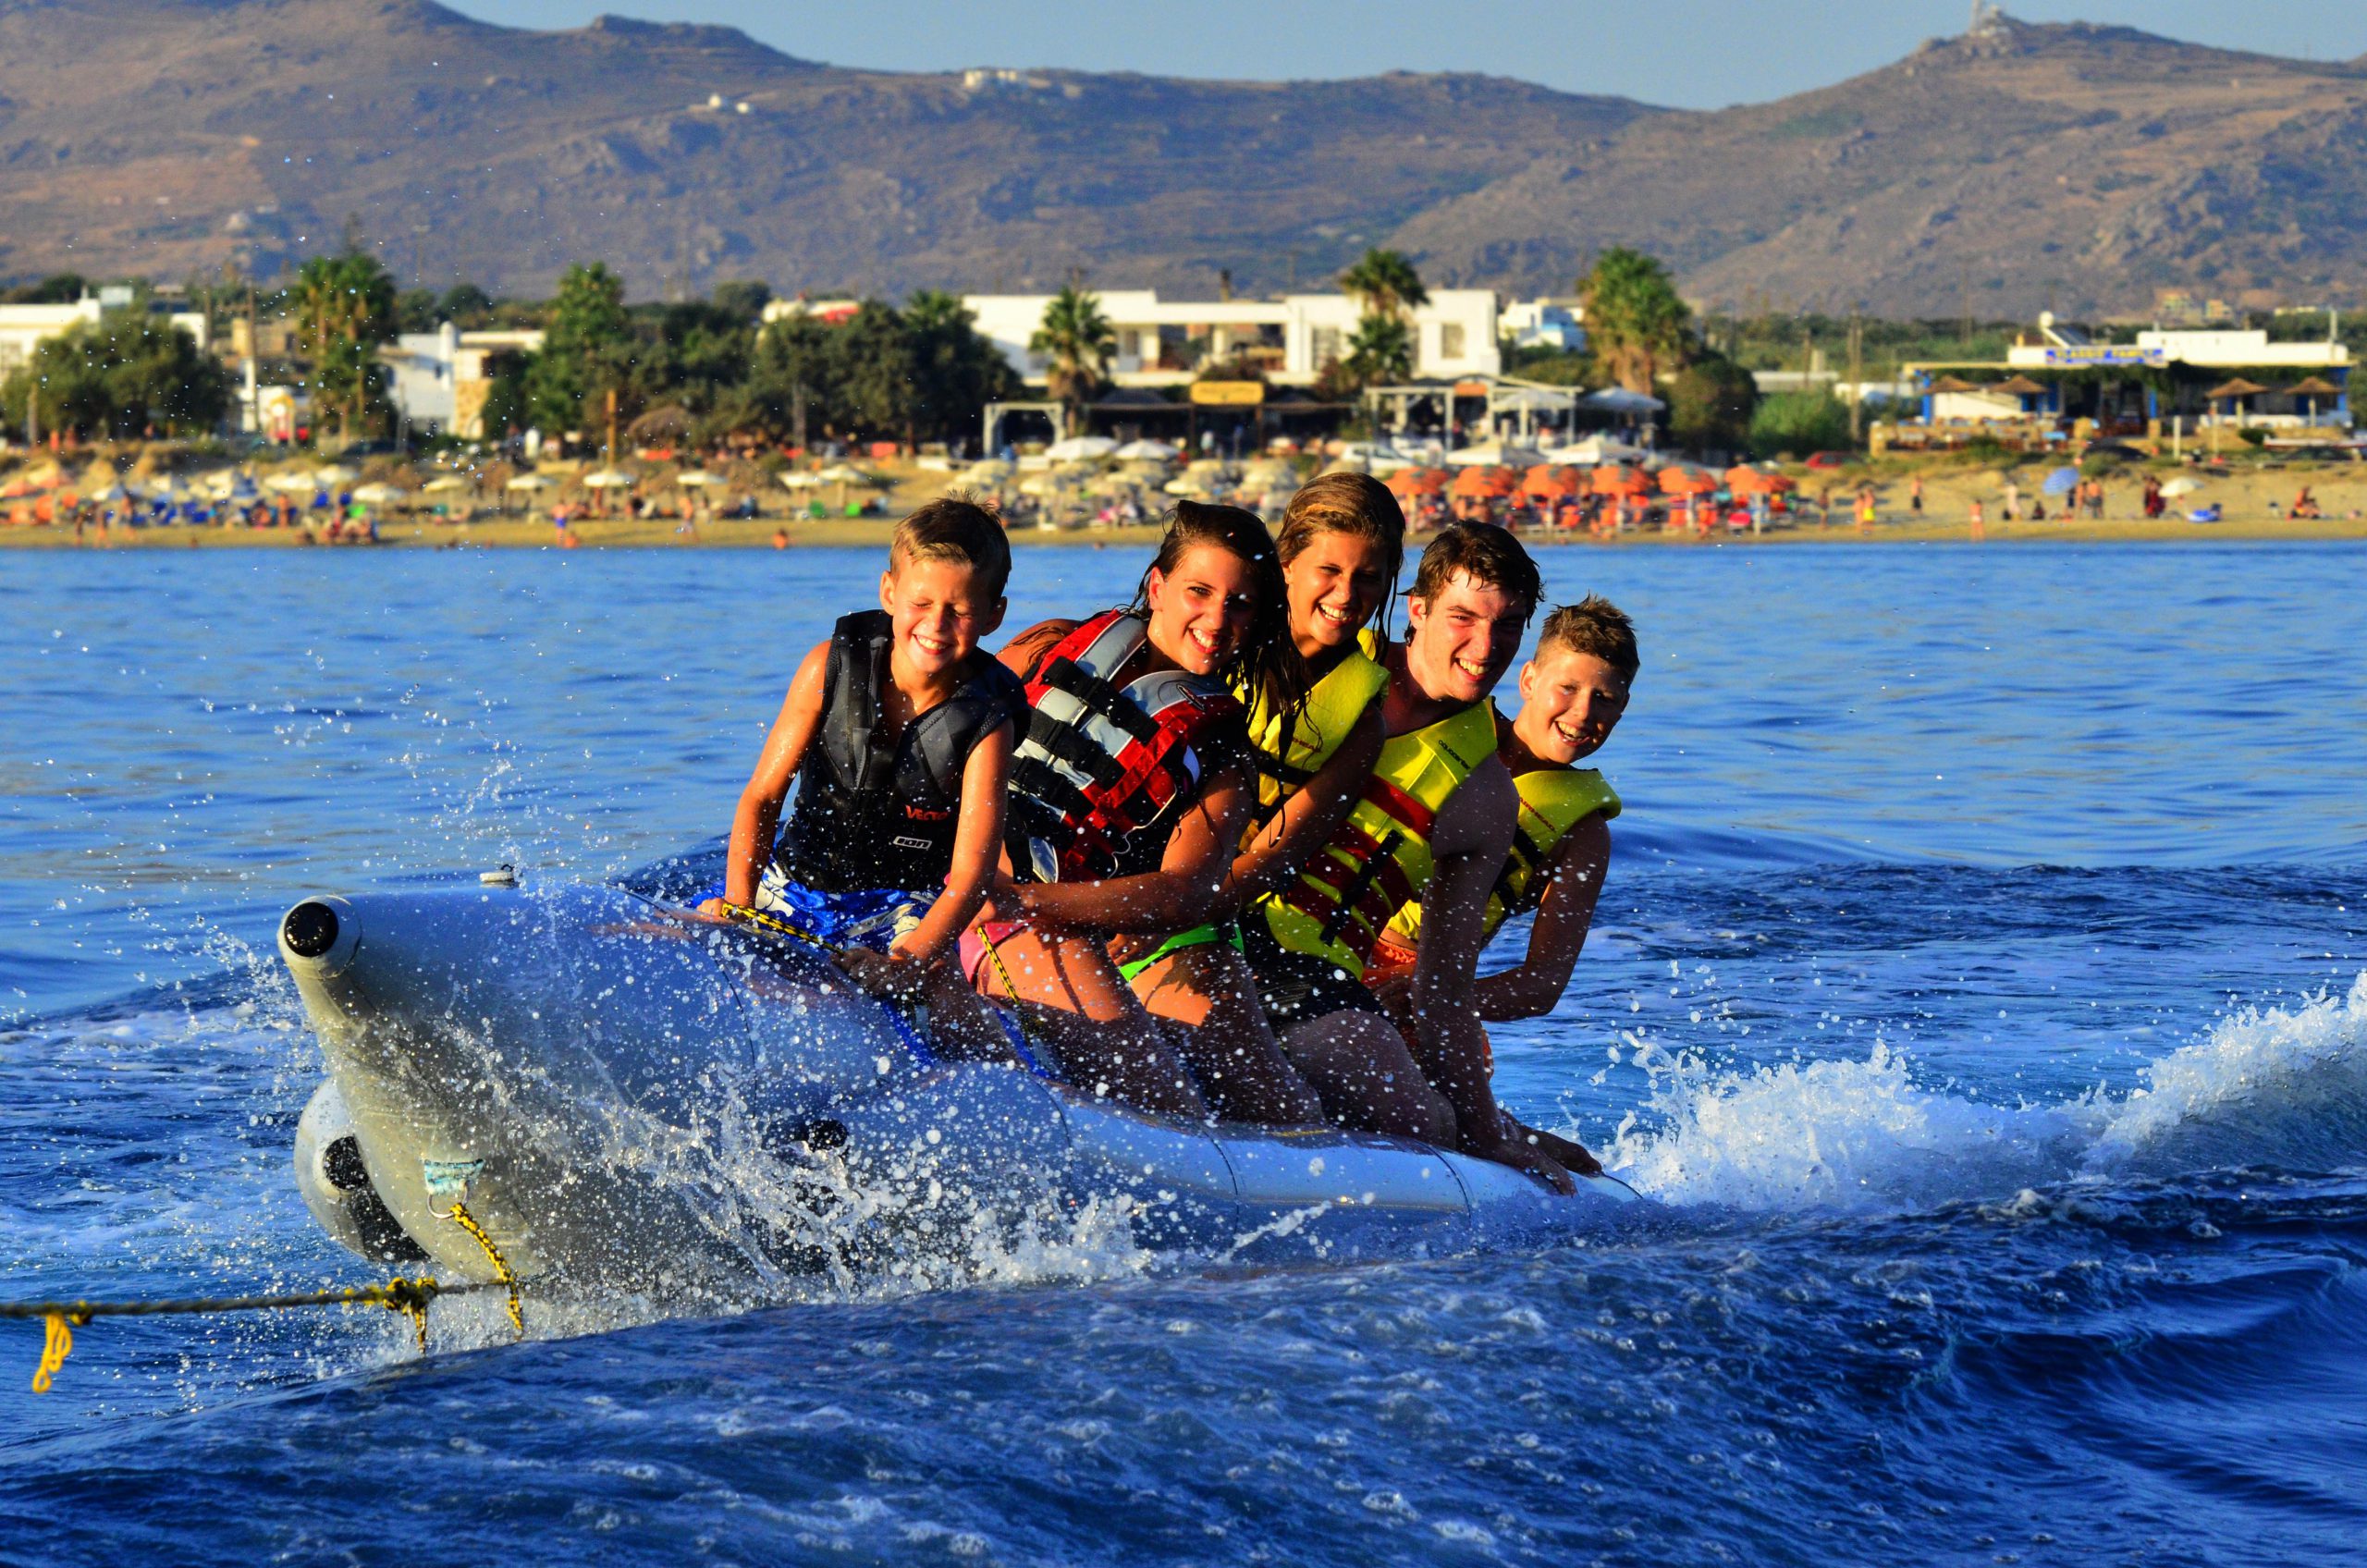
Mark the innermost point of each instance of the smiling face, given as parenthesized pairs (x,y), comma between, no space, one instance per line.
(1201,611)
(1462,638)
(940,610)
(1570,704)
(1334,584)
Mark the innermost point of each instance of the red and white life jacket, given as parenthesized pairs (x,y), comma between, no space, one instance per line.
(1105,771)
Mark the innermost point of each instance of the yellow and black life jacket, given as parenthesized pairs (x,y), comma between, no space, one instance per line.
(1380,860)
(1553,800)
(1289,748)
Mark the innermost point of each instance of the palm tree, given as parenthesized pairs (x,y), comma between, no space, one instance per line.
(1637,324)
(1076,341)
(1380,350)
(344,307)
(1387,284)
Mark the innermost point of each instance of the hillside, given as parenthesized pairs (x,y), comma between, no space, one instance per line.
(2073,166)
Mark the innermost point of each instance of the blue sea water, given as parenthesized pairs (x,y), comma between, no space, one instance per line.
(1978,986)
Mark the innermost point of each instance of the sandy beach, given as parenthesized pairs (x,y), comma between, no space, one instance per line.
(2253,500)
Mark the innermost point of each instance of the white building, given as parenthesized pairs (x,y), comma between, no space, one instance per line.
(24,329)
(1164,342)
(1545,324)
(440,379)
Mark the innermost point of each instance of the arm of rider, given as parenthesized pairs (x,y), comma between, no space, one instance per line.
(758,818)
(1574,881)
(977,849)
(1181,894)
(1468,842)
(1307,819)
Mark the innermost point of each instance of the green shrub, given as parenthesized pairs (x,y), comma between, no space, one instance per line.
(1798,422)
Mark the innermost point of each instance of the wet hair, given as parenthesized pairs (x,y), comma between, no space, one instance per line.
(1597,628)
(957,528)
(1488,556)
(1350,503)
(1266,658)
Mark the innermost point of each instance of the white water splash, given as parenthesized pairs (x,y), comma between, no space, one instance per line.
(2268,1087)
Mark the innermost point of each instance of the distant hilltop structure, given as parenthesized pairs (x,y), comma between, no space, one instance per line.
(1989,21)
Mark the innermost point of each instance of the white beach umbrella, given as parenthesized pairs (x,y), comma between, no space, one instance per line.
(799,480)
(530,482)
(2181,485)
(607,479)
(378,496)
(1146,451)
(444,484)
(1079,447)
(697,479)
(1495,455)
(291,483)
(329,476)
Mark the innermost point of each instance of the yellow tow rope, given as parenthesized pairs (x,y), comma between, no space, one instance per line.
(409,1297)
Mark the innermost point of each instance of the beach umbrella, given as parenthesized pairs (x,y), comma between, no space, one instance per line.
(530,482)
(697,479)
(1547,483)
(2181,485)
(289,483)
(444,484)
(1146,451)
(845,473)
(1618,479)
(1476,484)
(1619,400)
(1678,480)
(1078,448)
(799,480)
(1189,485)
(2062,481)
(329,476)
(2310,390)
(378,496)
(607,479)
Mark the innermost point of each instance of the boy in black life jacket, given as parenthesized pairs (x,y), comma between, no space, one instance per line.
(899,731)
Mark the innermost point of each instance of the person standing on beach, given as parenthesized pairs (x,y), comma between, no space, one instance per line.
(1976,517)
(2013,512)
(1915,495)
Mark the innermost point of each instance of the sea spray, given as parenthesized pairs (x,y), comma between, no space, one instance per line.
(2267,1087)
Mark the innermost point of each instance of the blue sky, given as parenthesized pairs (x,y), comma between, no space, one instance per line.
(1696,54)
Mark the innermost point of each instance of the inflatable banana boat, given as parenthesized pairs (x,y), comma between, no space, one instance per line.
(621,1096)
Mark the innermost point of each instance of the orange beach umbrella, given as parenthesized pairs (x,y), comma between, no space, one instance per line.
(1479,483)
(1686,481)
(1617,479)
(1547,483)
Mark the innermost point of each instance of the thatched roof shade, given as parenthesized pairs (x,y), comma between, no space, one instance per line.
(2238,387)
(2316,387)
(2019,386)
(1953,384)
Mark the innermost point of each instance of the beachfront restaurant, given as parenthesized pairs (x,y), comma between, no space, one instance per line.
(2165,386)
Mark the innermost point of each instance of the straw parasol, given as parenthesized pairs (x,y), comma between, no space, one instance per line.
(2311,389)
(2019,386)
(2238,387)
(1952,383)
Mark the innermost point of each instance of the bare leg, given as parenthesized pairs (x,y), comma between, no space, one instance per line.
(1105,1042)
(1209,998)
(1369,1080)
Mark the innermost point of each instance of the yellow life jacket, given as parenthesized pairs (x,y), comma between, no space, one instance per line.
(1380,860)
(1289,748)
(1553,800)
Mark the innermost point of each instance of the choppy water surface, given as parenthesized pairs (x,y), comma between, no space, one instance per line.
(1978,985)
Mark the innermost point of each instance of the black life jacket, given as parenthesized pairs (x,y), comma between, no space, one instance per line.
(1104,772)
(873,815)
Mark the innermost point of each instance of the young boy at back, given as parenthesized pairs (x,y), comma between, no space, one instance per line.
(1573,693)
(899,731)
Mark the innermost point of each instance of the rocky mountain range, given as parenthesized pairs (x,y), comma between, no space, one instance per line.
(2003,171)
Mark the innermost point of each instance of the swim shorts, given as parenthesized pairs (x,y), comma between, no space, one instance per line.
(1297,988)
